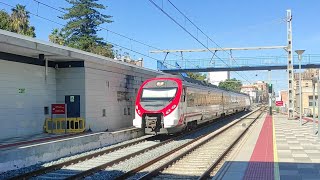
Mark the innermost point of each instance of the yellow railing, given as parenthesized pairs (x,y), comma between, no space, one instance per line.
(58,125)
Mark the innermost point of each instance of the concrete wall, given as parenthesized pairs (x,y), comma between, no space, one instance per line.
(23,113)
(103,87)
(71,81)
(112,87)
(29,155)
(107,94)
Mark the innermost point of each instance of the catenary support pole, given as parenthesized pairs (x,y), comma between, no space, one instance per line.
(290,66)
(300,52)
(300,93)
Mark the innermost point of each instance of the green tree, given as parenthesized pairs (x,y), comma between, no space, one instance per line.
(197,76)
(19,21)
(4,20)
(81,29)
(57,37)
(231,84)
(103,50)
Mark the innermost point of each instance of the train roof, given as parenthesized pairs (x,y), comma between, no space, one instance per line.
(199,83)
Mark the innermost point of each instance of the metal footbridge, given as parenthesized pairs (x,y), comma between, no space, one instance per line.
(237,64)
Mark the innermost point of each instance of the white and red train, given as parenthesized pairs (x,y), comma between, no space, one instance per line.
(170,104)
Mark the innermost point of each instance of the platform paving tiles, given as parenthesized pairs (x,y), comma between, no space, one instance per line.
(298,149)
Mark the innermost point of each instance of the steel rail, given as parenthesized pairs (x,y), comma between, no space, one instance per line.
(116,161)
(76,160)
(58,166)
(214,164)
(111,163)
(151,174)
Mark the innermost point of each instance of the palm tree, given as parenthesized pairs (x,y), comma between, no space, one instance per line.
(57,37)
(4,20)
(19,18)
(20,21)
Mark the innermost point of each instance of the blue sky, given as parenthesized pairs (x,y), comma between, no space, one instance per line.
(229,23)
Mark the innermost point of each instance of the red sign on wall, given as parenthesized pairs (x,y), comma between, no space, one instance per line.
(279,103)
(58,108)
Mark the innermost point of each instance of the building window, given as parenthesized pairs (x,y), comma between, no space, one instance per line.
(103,112)
(311,101)
(46,110)
(129,113)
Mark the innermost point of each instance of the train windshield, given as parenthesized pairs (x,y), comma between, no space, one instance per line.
(158,94)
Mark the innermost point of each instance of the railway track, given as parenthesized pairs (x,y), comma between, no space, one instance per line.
(60,166)
(79,168)
(197,159)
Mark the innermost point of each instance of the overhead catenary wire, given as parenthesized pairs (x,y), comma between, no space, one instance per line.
(137,52)
(181,26)
(120,35)
(34,14)
(192,34)
(208,37)
(113,32)
(198,29)
(112,43)
(108,30)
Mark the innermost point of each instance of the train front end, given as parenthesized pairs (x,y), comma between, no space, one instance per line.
(157,106)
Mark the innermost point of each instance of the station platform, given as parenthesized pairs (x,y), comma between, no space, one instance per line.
(26,151)
(44,138)
(31,139)
(275,148)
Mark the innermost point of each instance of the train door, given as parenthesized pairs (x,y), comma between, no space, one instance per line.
(222,102)
(183,101)
(73,105)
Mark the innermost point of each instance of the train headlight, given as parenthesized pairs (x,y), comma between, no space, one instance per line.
(139,112)
(160,83)
(168,111)
(174,106)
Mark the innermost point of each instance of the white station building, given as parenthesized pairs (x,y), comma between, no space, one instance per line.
(35,74)
(216,77)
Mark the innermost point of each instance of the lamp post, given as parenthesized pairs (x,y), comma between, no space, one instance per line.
(314,81)
(300,52)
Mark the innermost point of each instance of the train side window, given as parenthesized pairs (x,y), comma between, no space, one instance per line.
(190,100)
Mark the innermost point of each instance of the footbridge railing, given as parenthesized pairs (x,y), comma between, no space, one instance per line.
(236,63)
